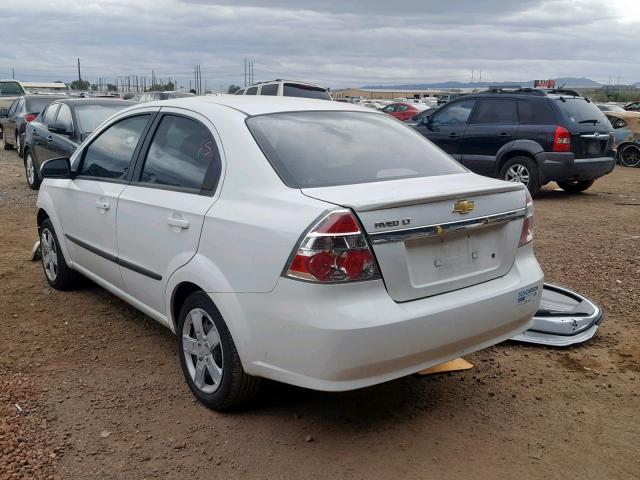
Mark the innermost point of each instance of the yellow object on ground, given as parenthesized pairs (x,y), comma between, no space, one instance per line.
(450,366)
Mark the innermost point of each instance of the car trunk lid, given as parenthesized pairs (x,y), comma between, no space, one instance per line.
(422,244)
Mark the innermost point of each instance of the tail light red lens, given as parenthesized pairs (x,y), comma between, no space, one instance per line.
(30,117)
(334,250)
(562,140)
(526,236)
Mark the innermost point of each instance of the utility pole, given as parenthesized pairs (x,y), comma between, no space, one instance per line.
(245,71)
(79,76)
(13,73)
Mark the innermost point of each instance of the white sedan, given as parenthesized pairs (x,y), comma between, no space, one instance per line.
(319,244)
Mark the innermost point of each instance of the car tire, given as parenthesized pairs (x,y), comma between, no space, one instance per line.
(575,187)
(56,270)
(209,358)
(629,155)
(19,145)
(524,170)
(5,145)
(30,171)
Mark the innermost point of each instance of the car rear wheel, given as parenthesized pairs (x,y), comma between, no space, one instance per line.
(523,170)
(18,144)
(629,155)
(208,356)
(5,145)
(56,270)
(575,187)
(30,171)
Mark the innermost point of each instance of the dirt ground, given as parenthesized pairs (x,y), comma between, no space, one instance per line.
(103,395)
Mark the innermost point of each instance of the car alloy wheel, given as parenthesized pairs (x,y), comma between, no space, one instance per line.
(31,169)
(49,254)
(517,173)
(202,350)
(630,156)
(18,144)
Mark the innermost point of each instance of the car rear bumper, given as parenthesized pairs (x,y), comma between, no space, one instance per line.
(565,167)
(343,337)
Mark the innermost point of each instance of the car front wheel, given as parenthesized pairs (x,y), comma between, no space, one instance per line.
(575,187)
(523,170)
(5,145)
(209,358)
(18,144)
(629,155)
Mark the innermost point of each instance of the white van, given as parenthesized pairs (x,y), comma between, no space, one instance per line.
(286,88)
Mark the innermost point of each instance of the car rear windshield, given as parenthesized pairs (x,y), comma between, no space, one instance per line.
(320,149)
(305,91)
(37,104)
(580,111)
(10,89)
(91,116)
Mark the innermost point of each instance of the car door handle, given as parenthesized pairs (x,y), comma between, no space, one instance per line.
(103,206)
(176,222)
(453,135)
(50,137)
(504,135)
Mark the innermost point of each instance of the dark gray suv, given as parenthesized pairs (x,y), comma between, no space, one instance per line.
(526,135)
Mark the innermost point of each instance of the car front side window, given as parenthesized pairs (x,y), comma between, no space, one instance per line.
(454,114)
(110,154)
(183,155)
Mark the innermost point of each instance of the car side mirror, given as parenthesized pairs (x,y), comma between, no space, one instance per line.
(56,168)
(59,128)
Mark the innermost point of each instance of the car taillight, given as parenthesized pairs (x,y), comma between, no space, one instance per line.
(526,236)
(30,117)
(562,140)
(334,250)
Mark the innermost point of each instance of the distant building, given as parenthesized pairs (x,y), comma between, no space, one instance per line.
(386,94)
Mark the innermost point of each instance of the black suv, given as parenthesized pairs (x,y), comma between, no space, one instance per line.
(526,135)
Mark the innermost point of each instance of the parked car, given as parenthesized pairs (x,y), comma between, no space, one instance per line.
(10,90)
(61,127)
(23,110)
(286,88)
(626,125)
(403,111)
(314,243)
(526,135)
(156,96)
(610,107)
(633,106)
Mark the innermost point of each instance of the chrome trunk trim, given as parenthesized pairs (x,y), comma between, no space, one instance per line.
(466,225)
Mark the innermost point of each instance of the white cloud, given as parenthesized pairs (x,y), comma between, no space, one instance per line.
(335,43)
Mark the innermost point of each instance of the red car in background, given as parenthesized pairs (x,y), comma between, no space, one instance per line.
(402,111)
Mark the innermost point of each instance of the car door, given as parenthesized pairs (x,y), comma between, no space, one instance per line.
(10,123)
(89,206)
(161,213)
(63,144)
(447,126)
(493,124)
(41,134)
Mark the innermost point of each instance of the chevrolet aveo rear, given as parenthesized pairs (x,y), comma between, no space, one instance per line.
(339,250)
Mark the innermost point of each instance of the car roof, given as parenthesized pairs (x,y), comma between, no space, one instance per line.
(259,104)
(75,102)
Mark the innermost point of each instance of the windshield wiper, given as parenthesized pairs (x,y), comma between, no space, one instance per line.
(589,121)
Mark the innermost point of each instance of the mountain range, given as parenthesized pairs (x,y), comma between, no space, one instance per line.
(567,82)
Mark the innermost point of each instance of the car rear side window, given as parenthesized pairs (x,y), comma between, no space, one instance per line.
(535,112)
(182,154)
(498,111)
(319,149)
(270,89)
(110,154)
(252,91)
